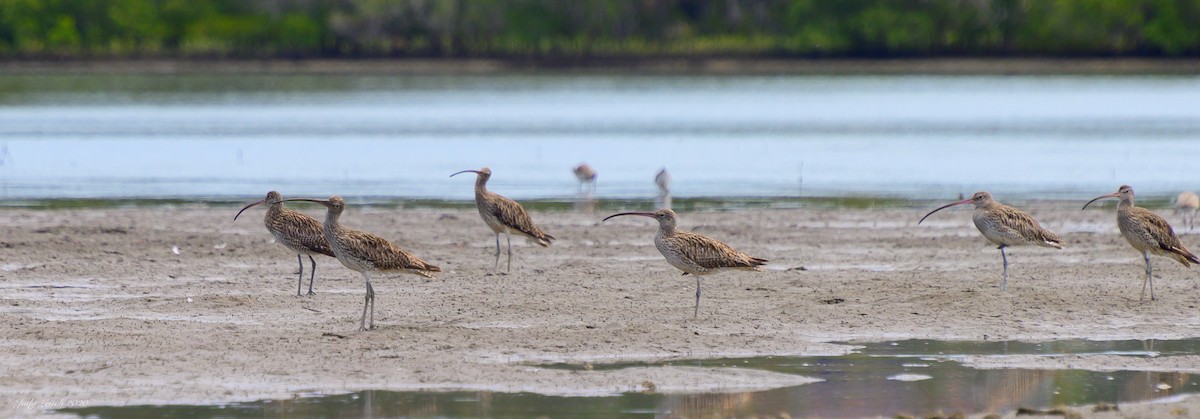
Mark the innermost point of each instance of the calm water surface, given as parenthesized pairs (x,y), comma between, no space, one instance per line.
(917,377)
(125,136)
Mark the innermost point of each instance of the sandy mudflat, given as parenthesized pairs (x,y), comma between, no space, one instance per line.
(95,306)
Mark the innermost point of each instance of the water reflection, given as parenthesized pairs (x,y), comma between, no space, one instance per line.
(856,385)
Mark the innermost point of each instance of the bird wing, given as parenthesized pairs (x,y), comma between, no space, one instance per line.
(1157,229)
(384,255)
(300,231)
(711,253)
(1027,228)
(513,216)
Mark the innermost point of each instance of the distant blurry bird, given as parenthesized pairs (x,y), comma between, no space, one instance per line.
(586,175)
(297,232)
(1148,233)
(663,180)
(1187,203)
(1005,226)
(504,215)
(692,253)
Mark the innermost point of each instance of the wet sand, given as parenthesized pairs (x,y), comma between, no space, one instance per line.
(97,309)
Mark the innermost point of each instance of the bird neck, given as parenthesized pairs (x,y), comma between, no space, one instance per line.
(481,185)
(666,228)
(331,220)
(274,209)
(1126,202)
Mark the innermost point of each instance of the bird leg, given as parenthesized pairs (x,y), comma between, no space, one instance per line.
(300,281)
(1149,278)
(696,310)
(1004,282)
(508,238)
(368,300)
(496,267)
(312,275)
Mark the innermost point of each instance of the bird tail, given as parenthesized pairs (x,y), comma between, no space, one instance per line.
(1182,255)
(1050,239)
(542,238)
(426,270)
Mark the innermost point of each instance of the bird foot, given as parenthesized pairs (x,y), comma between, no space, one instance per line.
(310,293)
(496,274)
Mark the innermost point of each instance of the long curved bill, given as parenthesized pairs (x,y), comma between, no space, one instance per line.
(248,207)
(319,201)
(1111,195)
(465,171)
(644,214)
(965,201)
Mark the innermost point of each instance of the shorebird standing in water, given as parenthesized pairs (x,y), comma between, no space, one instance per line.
(1148,233)
(297,232)
(692,253)
(366,253)
(504,215)
(663,181)
(586,175)
(1004,226)
(1187,203)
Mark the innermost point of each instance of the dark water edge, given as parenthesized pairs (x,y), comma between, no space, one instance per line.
(915,377)
(642,65)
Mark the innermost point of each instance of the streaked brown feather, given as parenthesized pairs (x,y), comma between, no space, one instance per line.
(1158,235)
(711,253)
(512,215)
(382,254)
(297,231)
(1025,226)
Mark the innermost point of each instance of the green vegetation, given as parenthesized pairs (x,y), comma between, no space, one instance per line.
(554,29)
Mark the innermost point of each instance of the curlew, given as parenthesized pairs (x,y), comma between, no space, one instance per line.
(504,215)
(1148,233)
(1005,226)
(692,253)
(366,253)
(297,232)
(586,175)
(1187,203)
(663,180)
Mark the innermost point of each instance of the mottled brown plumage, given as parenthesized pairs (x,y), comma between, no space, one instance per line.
(504,215)
(297,232)
(693,253)
(366,253)
(1148,233)
(1005,226)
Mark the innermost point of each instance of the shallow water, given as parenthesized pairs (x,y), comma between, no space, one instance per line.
(870,382)
(239,135)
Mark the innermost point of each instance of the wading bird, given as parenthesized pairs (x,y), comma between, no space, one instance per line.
(586,175)
(692,253)
(1004,226)
(297,232)
(1148,233)
(1187,203)
(366,253)
(504,215)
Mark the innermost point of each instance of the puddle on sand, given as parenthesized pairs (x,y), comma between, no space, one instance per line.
(855,385)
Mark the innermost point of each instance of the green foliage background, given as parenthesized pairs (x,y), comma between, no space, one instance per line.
(597,28)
